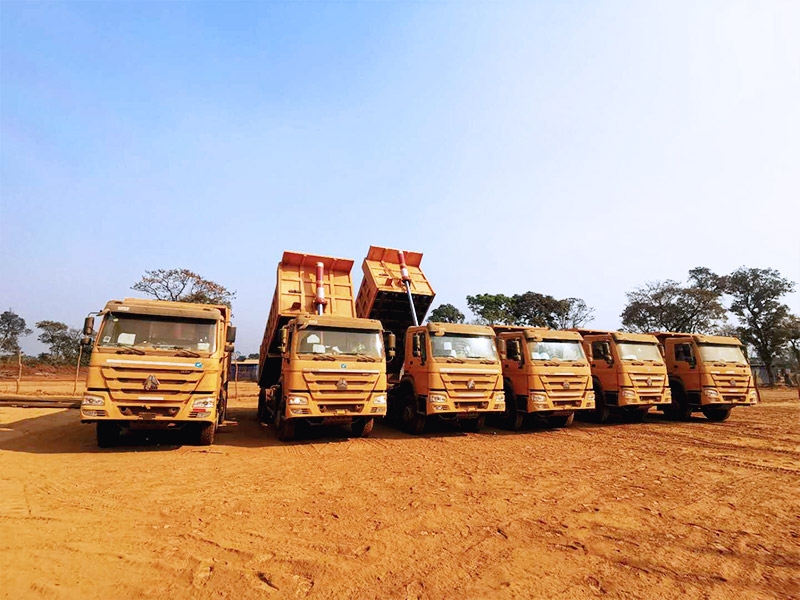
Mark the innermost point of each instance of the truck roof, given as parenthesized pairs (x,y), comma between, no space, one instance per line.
(189,310)
(538,333)
(460,328)
(620,336)
(699,338)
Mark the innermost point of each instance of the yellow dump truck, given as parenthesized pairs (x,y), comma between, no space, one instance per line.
(158,364)
(707,374)
(319,363)
(545,374)
(628,373)
(442,370)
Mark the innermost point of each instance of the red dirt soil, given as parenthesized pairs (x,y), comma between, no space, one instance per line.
(653,510)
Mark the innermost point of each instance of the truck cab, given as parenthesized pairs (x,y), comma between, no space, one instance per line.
(628,373)
(708,374)
(545,374)
(451,371)
(157,365)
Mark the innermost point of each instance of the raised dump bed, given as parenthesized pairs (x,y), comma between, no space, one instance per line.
(296,293)
(383,294)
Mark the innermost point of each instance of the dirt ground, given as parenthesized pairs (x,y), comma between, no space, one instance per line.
(653,510)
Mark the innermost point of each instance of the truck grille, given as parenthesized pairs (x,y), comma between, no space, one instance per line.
(565,389)
(126,384)
(466,385)
(340,386)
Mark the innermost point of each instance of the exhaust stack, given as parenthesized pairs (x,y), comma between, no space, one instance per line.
(407,282)
(319,299)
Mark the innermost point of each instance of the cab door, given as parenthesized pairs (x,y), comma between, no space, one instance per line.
(685,365)
(417,353)
(603,364)
(516,370)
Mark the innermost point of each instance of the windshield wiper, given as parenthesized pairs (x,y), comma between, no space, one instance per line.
(130,350)
(323,357)
(487,361)
(186,352)
(454,359)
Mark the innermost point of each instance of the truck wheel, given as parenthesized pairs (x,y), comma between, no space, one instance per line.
(561,421)
(223,407)
(679,410)
(107,434)
(713,414)
(205,434)
(600,412)
(472,425)
(412,422)
(362,426)
(263,413)
(512,418)
(284,428)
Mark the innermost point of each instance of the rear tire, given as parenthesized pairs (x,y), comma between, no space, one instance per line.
(362,426)
(108,434)
(511,417)
(716,415)
(205,434)
(679,410)
(561,421)
(263,413)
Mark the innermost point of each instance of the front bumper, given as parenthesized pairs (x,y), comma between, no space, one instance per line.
(97,406)
(541,402)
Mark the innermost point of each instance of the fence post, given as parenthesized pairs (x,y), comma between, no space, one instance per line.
(19,372)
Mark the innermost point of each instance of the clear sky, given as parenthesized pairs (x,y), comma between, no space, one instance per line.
(569,148)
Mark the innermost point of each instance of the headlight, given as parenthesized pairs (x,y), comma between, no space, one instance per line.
(203,403)
(539,398)
(629,394)
(93,401)
(437,399)
(711,393)
(590,396)
(298,400)
(500,398)
(753,395)
(379,399)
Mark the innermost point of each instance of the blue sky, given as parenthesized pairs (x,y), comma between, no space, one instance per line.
(545,146)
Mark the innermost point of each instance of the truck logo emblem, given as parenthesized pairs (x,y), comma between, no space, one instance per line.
(733,382)
(341,384)
(565,385)
(471,384)
(649,381)
(150,384)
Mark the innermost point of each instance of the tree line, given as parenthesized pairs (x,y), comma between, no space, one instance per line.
(745,304)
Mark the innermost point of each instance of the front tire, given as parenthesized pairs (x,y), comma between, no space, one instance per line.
(601,411)
(472,425)
(561,421)
(284,428)
(715,414)
(413,423)
(512,418)
(362,426)
(205,434)
(263,412)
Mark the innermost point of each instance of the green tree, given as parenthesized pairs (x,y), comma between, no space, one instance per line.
(571,312)
(253,356)
(12,327)
(183,285)
(756,295)
(64,341)
(671,306)
(446,313)
(491,308)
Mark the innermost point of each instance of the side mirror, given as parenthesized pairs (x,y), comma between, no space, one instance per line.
(692,361)
(609,359)
(501,347)
(284,340)
(88,326)
(86,341)
(513,350)
(230,335)
(391,346)
(416,348)
(228,347)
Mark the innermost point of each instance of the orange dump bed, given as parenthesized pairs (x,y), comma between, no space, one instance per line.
(295,291)
(383,295)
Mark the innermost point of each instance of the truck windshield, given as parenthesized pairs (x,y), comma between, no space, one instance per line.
(720,353)
(453,345)
(340,341)
(159,333)
(639,351)
(566,350)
